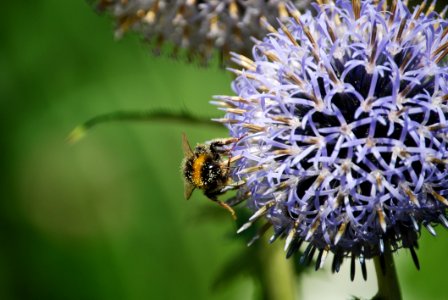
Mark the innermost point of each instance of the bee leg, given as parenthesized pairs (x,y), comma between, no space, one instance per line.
(224,205)
(232,186)
(234,201)
(231,157)
(226,141)
(219,143)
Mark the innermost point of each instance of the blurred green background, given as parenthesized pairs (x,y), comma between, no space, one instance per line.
(105,218)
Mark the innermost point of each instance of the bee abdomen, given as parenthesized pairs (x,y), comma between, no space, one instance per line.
(212,174)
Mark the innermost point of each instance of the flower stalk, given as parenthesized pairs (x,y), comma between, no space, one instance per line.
(386,274)
(277,278)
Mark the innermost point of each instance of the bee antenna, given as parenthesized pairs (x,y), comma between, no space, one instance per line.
(182,116)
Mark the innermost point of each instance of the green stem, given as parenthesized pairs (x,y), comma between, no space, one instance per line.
(388,287)
(278,279)
(156,115)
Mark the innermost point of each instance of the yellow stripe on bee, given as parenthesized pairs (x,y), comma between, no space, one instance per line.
(197,170)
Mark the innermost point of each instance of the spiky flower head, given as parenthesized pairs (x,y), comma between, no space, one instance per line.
(199,27)
(342,120)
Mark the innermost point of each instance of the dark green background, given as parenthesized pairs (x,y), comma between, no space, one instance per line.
(105,218)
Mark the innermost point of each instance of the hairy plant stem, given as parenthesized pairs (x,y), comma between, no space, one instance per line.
(388,286)
(278,279)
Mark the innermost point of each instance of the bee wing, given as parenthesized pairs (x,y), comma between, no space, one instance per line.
(186,146)
(188,189)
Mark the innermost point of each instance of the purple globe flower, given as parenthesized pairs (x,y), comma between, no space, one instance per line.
(199,27)
(342,120)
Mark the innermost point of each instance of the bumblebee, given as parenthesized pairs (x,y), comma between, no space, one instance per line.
(207,169)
